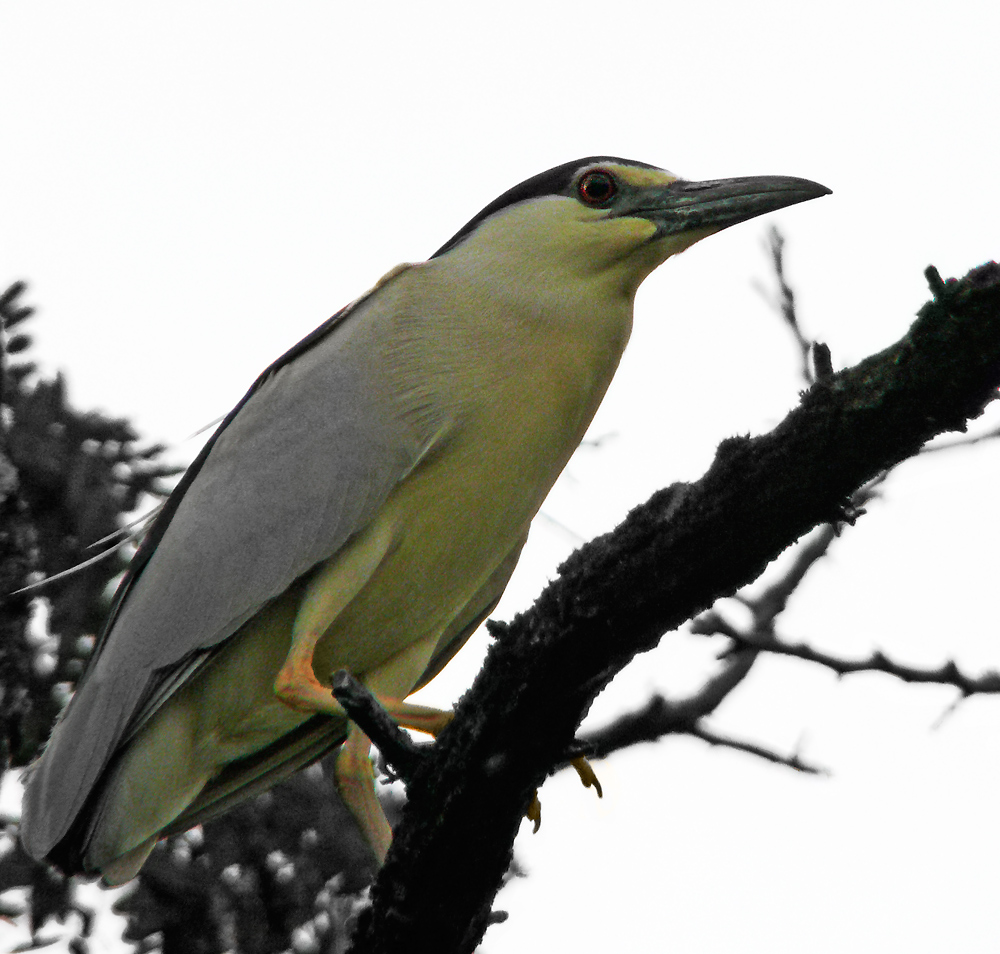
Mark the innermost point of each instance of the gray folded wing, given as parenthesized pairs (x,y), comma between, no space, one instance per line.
(301,465)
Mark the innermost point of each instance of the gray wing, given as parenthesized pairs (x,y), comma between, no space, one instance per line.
(302,463)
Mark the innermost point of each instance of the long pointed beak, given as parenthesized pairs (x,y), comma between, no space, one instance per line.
(716,204)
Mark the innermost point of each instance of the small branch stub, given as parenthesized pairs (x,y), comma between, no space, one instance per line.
(399,750)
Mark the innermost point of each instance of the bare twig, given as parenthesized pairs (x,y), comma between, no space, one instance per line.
(947,674)
(398,749)
(751,748)
(661,716)
(784,303)
(967,441)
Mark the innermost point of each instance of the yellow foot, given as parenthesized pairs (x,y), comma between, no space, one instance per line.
(587,775)
(534,813)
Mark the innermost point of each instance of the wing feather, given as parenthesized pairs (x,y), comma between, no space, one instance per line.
(252,514)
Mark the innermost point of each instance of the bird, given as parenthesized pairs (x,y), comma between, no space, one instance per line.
(361,508)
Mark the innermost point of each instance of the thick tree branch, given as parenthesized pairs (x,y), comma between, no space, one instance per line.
(670,559)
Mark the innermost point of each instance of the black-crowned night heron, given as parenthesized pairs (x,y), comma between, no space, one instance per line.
(361,508)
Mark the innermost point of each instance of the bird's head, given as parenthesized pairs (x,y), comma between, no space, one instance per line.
(614,219)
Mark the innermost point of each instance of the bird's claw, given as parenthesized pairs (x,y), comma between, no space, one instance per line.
(534,813)
(587,775)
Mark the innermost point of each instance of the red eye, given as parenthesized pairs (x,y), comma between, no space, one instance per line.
(596,188)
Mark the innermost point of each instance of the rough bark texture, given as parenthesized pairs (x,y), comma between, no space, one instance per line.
(671,558)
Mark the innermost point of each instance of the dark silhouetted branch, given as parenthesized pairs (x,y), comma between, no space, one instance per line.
(397,748)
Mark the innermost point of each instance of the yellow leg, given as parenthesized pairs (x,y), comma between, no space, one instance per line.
(354,772)
(332,588)
(296,684)
(419,718)
(355,780)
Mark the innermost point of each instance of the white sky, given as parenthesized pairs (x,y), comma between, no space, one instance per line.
(189,188)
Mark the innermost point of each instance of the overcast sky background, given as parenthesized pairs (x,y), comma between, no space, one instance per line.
(190,188)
